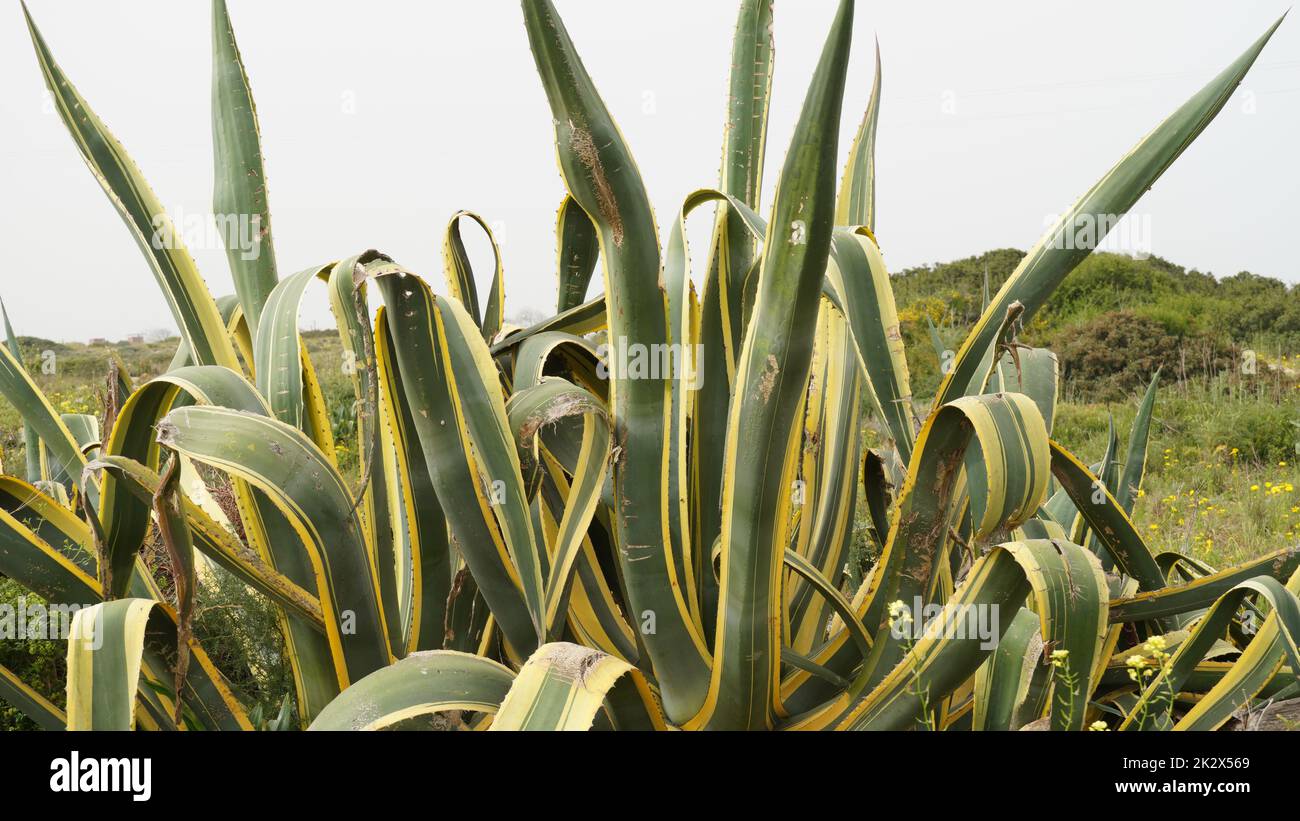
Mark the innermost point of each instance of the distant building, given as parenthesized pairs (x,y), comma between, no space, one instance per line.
(135,339)
(99,340)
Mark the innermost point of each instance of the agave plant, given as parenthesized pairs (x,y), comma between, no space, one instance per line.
(551,531)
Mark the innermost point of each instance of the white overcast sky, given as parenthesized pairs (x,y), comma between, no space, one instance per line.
(446,112)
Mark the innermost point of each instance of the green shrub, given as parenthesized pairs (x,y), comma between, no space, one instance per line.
(41,664)
(1115,353)
(1261,431)
(240,632)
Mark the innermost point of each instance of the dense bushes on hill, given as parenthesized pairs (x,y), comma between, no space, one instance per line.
(1114,354)
(1113,320)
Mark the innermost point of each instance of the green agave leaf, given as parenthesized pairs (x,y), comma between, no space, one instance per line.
(1002,444)
(277,348)
(239,196)
(425,526)
(748,102)
(191,304)
(685,364)
(733,254)
(422,684)
(480,414)
(236,325)
(1202,592)
(125,516)
(529,412)
(764,422)
(587,318)
(29,560)
(1058,252)
(1275,642)
(116,653)
(282,463)
(1135,464)
(1035,372)
(64,577)
(216,542)
(380,484)
(1187,568)
(1002,681)
(602,177)
(118,388)
(460,275)
(577,249)
(1069,590)
(595,614)
(857,203)
(1041,529)
(562,687)
(936,340)
(1107,471)
(577,356)
(1060,508)
(52,438)
(29,702)
(834,449)
(420,355)
(285,377)
(84,428)
(857,272)
(1094,502)
(834,598)
(31,438)
(105,653)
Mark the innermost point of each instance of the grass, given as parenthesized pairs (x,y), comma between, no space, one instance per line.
(1221,482)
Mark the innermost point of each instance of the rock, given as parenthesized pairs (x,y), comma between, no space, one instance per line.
(1281,715)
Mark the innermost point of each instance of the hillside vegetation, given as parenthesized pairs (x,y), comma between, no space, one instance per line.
(1115,319)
